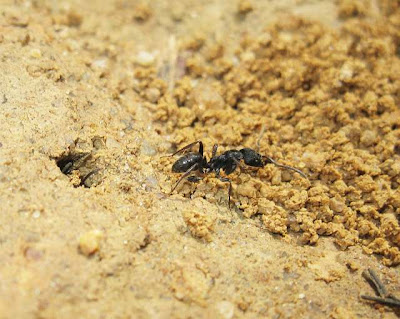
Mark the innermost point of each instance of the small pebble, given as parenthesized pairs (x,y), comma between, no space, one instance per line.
(336,205)
(265,38)
(178,12)
(244,7)
(247,56)
(147,149)
(89,242)
(36,214)
(302,296)
(33,254)
(99,64)
(98,142)
(111,143)
(353,266)
(74,19)
(368,138)
(151,183)
(226,309)
(142,12)
(153,94)
(35,53)
(145,58)
(346,73)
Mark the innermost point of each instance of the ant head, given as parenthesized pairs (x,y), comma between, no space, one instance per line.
(252,158)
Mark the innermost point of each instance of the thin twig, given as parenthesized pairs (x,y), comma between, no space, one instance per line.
(384,298)
(384,301)
(172,57)
(371,276)
(262,131)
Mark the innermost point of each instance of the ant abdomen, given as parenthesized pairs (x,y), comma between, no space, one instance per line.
(186,162)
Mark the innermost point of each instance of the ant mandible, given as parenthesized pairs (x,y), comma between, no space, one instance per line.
(227,161)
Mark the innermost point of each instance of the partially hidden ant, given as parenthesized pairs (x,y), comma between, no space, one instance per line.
(228,161)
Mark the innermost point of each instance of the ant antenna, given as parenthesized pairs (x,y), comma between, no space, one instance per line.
(268,159)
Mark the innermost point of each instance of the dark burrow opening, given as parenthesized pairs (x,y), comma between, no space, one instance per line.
(80,167)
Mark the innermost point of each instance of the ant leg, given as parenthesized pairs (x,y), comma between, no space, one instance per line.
(194,179)
(238,164)
(187,147)
(67,168)
(227,180)
(214,150)
(270,160)
(85,178)
(187,173)
(72,162)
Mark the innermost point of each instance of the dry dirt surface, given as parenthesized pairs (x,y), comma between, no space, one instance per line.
(94,93)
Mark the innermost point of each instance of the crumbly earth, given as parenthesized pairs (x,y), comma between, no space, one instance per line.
(93,93)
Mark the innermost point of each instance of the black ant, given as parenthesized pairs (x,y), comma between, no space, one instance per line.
(227,161)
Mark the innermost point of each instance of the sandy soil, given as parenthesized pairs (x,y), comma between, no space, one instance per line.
(93,94)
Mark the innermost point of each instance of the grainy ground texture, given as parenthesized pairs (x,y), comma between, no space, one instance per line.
(94,93)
